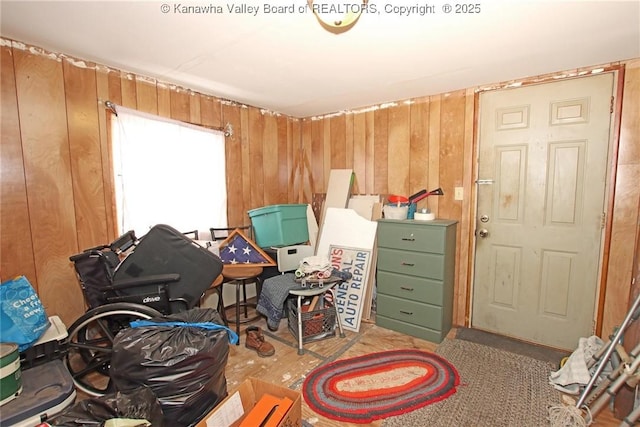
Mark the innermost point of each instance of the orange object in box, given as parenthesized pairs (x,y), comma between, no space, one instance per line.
(268,412)
(237,406)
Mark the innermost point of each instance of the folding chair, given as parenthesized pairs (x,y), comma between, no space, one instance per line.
(289,258)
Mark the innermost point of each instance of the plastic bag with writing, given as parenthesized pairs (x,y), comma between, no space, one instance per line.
(22,317)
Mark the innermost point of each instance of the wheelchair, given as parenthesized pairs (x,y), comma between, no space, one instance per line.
(163,272)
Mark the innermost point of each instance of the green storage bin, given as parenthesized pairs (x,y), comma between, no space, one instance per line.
(279,225)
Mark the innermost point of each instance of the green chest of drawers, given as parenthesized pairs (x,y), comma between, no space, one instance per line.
(415,275)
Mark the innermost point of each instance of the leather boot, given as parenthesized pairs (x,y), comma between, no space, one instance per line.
(255,340)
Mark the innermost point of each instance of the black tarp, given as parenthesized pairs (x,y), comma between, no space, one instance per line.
(183,365)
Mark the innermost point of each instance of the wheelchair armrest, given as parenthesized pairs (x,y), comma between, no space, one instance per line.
(156,279)
(87,253)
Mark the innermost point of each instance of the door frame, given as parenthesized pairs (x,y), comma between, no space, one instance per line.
(610,184)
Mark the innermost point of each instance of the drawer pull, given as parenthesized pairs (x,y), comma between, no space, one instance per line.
(408,239)
(408,313)
(404,288)
(408,264)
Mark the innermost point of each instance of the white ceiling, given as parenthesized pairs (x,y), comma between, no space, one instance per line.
(287,63)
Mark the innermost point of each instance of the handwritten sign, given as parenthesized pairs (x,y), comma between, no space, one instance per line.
(350,293)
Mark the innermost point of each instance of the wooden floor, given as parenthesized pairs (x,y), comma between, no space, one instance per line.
(286,368)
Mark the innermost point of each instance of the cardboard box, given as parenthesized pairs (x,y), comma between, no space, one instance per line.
(232,410)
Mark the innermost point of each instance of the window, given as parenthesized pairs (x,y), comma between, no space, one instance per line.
(167,172)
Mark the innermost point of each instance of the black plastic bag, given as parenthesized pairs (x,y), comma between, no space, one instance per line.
(184,366)
(140,403)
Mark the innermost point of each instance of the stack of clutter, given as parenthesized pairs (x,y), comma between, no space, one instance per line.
(575,371)
(318,268)
(401,207)
(314,267)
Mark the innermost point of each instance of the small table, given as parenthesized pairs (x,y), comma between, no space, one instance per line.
(239,275)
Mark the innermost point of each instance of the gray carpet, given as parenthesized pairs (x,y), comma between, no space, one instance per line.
(539,352)
(497,389)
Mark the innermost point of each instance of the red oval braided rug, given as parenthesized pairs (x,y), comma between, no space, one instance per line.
(379,385)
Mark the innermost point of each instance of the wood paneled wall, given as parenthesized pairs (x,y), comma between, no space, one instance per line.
(429,142)
(56,186)
(626,209)
(56,189)
(401,148)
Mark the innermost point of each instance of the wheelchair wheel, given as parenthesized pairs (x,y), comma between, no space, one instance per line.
(90,342)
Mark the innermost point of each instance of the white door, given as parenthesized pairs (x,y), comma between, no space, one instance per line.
(541,183)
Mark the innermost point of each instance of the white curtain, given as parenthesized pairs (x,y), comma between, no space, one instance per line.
(167,172)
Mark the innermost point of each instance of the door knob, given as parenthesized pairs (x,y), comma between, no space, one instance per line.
(483,232)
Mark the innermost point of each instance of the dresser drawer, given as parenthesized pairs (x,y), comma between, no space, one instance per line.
(410,329)
(412,263)
(410,287)
(408,237)
(410,311)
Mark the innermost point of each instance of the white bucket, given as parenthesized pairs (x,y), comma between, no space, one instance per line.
(395,212)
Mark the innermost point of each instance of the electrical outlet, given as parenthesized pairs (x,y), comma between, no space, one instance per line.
(458,193)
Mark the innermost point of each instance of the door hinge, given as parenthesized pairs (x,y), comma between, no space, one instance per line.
(603,220)
(611,105)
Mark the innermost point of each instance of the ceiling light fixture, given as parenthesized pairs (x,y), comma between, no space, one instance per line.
(337,16)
